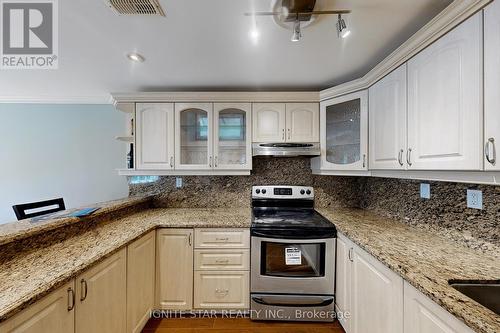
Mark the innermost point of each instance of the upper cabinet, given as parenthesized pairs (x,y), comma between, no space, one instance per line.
(344,132)
(388,121)
(232,136)
(491,85)
(155,136)
(193,144)
(285,122)
(445,102)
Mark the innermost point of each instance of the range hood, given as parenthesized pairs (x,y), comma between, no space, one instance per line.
(285,149)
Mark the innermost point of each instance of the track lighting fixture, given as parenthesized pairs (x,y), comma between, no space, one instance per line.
(296,30)
(342,29)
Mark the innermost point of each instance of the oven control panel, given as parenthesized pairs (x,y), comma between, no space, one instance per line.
(282,192)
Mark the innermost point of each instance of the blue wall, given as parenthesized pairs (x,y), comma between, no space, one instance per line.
(68,151)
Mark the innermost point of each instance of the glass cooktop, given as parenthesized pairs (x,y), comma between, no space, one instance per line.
(288,218)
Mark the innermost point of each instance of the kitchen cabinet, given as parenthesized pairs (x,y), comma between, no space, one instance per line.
(174,269)
(491,85)
(155,136)
(140,281)
(368,291)
(422,315)
(101,296)
(193,142)
(54,313)
(232,136)
(387,121)
(285,122)
(445,117)
(302,122)
(269,122)
(221,290)
(344,132)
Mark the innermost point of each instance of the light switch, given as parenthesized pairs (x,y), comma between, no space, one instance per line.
(178,182)
(475,199)
(425,191)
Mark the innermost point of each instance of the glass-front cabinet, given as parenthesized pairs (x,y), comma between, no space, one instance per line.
(232,136)
(344,132)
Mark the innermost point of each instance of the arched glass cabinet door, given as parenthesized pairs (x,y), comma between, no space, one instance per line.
(232,136)
(193,144)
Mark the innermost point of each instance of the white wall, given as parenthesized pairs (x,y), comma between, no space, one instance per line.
(69,151)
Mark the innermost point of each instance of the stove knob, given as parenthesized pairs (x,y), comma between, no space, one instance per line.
(308,192)
(263,191)
(302,191)
(257,191)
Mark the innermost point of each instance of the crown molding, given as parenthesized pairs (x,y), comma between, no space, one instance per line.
(226,96)
(457,12)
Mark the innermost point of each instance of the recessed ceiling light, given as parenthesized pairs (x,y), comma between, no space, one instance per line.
(135,57)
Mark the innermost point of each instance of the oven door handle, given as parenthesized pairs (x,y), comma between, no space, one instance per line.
(291,301)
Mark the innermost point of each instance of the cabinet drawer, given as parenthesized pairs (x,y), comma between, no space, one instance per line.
(221,290)
(233,259)
(222,238)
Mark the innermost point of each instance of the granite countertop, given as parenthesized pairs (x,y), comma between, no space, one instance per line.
(425,260)
(28,277)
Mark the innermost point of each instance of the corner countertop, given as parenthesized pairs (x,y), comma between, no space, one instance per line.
(425,260)
(28,277)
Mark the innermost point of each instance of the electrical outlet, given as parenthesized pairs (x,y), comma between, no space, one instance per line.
(425,191)
(178,182)
(475,199)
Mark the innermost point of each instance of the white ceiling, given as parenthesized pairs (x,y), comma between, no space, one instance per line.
(205,45)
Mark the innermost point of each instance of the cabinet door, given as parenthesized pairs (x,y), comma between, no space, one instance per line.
(155,136)
(101,296)
(193,136)
(302,122)
(232,136)
(174,269)
(492,85)
(343,282)
(140,281)
(388,121)
(54,313)
(444,101)
(221,290)
(377,296)
(344,132)
(421,315)
(268,122)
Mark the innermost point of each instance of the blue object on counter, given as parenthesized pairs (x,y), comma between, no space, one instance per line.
(84,212)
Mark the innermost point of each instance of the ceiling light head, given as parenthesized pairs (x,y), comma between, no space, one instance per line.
(296,31)
(136,57)
(342,29)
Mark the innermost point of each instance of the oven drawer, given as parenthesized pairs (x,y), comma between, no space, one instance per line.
(222,259)
(222,238)
(221,290)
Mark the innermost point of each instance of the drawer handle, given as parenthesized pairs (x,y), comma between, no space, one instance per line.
(221,292)
(221,261)
(222,239)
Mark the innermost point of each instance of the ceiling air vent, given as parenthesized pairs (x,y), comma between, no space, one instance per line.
(136,7)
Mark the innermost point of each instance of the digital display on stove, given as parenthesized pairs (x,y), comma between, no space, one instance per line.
(282,191)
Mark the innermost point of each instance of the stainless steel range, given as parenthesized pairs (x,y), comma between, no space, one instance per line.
(292,256)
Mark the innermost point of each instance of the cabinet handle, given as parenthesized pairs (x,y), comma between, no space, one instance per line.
(490,142)
(222,292)
(289,135)
(221,261)
(83,289)
(225,239)
(408,156)
(349,254)
(400,157)
(171,161)
(71,299)
(364,160)
(190,239)
(216,161)
(210,161)
(283,134)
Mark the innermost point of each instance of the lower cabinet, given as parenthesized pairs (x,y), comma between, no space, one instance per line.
(422,315)
(54,313)
(174,269)
(140,281)
(101,296)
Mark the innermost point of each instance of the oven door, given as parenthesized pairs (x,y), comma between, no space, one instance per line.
(294,266)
